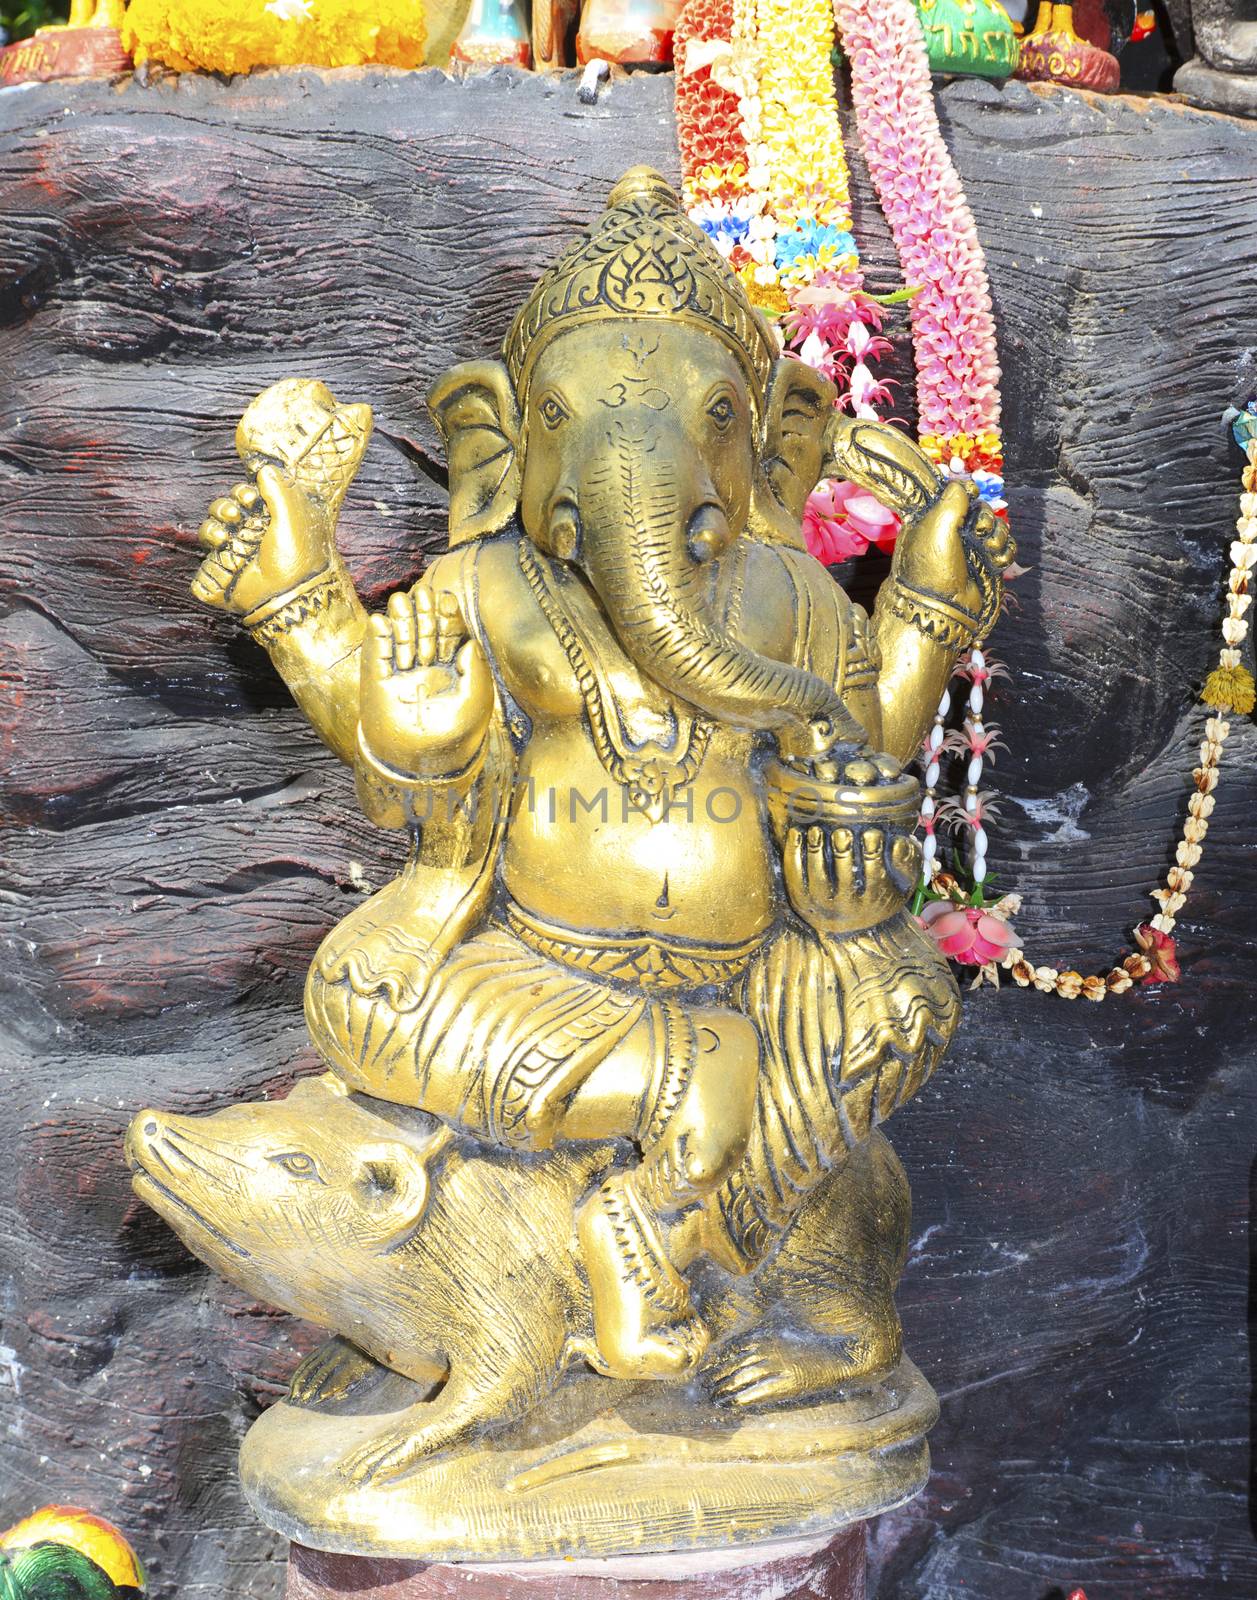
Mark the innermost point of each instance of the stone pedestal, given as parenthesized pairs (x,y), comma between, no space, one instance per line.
(1232,92)
(829,1568)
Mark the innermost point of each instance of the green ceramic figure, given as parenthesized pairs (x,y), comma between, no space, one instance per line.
(63,1553)
(975,38)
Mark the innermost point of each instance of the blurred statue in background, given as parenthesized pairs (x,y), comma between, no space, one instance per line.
(1218,41)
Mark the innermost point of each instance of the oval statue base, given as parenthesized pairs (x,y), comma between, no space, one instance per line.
(829,1568)
(602,1471)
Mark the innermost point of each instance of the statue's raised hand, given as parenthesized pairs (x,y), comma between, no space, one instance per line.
(265,539)
(930,552)
(953,547)
(955,550)
(427,691)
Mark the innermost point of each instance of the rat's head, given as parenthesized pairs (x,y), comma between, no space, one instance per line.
(262,1192)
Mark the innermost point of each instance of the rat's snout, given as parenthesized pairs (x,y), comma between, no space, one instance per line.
(143,1136)
(170,1149)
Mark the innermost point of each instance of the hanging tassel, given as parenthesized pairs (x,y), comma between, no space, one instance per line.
(1230,689)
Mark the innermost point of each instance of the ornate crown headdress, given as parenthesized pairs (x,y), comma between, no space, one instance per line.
(643,257)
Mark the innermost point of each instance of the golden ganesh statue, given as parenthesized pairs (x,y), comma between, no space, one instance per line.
(591,1194)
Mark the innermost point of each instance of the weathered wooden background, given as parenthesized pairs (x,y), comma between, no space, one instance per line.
(177,841)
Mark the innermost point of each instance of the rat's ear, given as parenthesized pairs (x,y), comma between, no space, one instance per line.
(393,1186)
(474,407)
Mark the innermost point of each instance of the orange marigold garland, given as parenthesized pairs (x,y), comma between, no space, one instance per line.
(709,122)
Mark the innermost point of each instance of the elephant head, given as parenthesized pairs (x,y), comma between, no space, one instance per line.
(640,423)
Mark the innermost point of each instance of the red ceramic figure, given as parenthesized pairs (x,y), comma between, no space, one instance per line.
(630,33)
(1055,51)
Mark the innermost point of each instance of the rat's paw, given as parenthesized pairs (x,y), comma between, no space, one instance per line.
(762,1372)
(765,1371)
(390,1456)
(330,1373)
(428,1428)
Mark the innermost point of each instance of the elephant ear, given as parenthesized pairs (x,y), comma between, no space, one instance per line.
(799,405)
(474,407)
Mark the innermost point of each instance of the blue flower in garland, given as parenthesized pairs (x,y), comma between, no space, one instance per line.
(990,486)
(811,238)
(724,232)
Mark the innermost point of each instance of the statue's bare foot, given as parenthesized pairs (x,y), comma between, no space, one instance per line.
(330,1373)
(767,1371)
(644,1324)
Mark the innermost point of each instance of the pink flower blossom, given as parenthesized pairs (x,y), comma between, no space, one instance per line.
(832,324)
(967,933)
(992,667)
(975,739)
(842,520)
(864,392)
(956,813)
(829,305)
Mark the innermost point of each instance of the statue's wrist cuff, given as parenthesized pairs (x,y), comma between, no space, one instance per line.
(454,783)
(269,622)
(941,621)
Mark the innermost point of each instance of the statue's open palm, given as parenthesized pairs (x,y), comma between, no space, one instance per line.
(427,691)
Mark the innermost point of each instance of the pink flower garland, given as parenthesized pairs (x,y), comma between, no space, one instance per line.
(953,328)
(953,336)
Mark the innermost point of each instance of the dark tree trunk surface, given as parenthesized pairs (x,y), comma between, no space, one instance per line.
(178,841)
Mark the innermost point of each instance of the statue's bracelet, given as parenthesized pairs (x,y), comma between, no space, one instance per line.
(800,800)
(270,621)
(454,784)
(940,620)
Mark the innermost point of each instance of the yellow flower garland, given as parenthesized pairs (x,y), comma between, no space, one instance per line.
(799,133)
(237,35)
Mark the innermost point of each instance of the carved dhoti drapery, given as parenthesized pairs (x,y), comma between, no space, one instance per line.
(492,1026)
(522,1009)
(850,1029)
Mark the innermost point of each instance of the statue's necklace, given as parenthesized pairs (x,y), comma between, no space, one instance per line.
(653,772)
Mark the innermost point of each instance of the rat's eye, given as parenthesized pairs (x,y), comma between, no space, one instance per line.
(722,411)
(298,1165)
(552,411)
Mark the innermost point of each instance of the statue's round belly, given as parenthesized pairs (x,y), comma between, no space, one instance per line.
(579,855)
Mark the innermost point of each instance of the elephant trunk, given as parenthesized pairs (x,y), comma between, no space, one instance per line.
(636,545)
